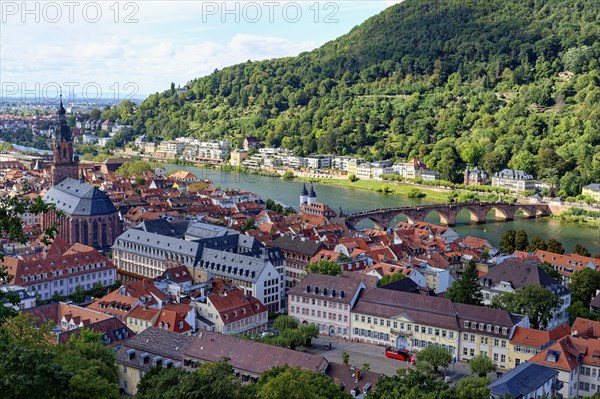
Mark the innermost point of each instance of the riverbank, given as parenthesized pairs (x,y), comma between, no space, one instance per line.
(580,216)
(390,188)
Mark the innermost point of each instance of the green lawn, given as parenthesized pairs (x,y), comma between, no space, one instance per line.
(397,188)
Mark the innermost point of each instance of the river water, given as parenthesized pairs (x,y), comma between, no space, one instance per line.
(353,200)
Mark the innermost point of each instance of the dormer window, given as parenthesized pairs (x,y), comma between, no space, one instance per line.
(466,324)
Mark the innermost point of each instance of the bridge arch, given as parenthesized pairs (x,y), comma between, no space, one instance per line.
(527,212)
(475,215)
(501,213)
(446,218)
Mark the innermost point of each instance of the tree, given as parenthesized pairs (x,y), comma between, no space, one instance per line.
(416,193)
(535,301)
(78,296)
(412,384)
(345,358)
(581,250)
(285,322)
(366,366)
(466,290)
(552,272)
(326,267)
(481,365)
(555,246)
(288,175)
(578,309)
(134,168)
(436,356)
(507,242)
(584,284)
(521,240)
(352,177)
(536,243)
(285,382)
(249,224)
(390,278)
(472,388)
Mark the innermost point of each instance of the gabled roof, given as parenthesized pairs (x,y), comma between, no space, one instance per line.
(253,357)
(538,338)
(586,328)
(519,274)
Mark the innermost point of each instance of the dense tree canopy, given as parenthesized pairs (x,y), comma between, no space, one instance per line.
(490,83)
(535,301)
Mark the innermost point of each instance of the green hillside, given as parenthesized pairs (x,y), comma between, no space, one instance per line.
(495,83)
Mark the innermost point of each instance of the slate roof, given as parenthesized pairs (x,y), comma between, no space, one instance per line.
(593,186)
(114,332)
(205,230)
(79,199)
(521,275)
(345,287)
(297,244)
(522,380)
(513,174)
(153,342)
(232,265)
(252,357)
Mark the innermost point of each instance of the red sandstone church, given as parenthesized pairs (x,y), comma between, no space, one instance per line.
(89,216)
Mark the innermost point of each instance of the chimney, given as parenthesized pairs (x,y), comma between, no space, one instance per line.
(356,375)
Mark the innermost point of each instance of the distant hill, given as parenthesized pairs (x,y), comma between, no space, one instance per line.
(496,83)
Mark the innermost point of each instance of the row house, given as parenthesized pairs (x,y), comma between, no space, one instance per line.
(526,342)
(298,252)
(61,269)
(327,301)
(412,322)
(567,264)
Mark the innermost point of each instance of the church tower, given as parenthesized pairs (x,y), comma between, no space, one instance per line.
(64,163)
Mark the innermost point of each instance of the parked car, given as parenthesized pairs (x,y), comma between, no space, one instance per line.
(400,354)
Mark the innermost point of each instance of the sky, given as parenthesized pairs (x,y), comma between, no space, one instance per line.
(118,49)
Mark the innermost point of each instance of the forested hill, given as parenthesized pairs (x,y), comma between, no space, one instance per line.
(496,83)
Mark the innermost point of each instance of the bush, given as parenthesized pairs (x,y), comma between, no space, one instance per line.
(352,178)
(416,193)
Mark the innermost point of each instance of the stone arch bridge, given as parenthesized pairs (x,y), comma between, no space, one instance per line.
(477,210)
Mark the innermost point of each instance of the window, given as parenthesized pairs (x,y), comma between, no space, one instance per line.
(502,358)
(503,343)
(451,335)
(584,386)
(466,324)
(429,330)
(495,357)
(355,317)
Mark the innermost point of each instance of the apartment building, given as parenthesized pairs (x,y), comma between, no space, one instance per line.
(298,252)
(514,180)
(512,275)
(412,321)
(60,269)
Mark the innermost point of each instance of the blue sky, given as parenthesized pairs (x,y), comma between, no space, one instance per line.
(142,46)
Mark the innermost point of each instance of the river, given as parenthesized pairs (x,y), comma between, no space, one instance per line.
(352,200)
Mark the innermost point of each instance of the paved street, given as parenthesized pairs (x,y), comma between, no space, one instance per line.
(367,353)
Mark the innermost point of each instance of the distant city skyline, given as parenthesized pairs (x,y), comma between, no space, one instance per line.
(115,50)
